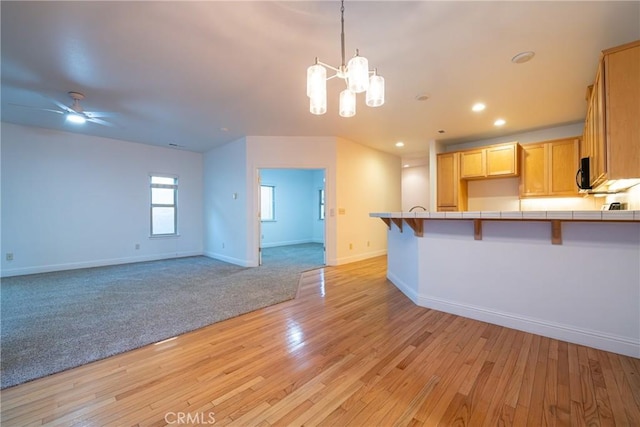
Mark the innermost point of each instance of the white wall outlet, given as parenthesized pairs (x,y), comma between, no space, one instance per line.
(222,245)
(350,246)
(137,246)
(9,256)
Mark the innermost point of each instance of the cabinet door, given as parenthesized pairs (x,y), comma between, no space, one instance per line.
(622,88)
(563,164)
(472,164)
(586,146)
(534,177)
(598,149)
(447,180)
(502,160)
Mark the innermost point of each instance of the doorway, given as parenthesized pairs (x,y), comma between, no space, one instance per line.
(292,215)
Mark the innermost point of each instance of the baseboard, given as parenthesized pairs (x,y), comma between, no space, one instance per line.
(360,257)
(603,341)
(404,288)
(9,272)
(230,260)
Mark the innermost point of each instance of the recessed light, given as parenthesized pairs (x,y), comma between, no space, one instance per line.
(405,165)
(479,106)
(399,144)
(499,122)
(224,129)
(523,57)
(422,97)
(441,131)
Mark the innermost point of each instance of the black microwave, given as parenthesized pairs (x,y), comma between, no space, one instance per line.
(583,176)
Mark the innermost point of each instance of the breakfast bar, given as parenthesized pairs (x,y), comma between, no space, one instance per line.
(570,275)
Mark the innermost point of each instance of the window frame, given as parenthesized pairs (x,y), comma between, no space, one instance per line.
(174,205)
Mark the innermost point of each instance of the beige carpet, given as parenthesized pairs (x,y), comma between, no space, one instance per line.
(55,321)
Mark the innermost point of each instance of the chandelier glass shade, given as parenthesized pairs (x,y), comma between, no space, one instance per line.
(356,75)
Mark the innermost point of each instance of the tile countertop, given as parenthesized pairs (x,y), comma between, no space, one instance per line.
(622,215)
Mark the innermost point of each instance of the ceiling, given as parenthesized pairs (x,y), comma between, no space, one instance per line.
(201,74)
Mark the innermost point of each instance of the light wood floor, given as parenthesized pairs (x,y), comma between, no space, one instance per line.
(351,350)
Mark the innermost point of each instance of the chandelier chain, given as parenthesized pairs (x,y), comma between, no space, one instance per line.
(342,31)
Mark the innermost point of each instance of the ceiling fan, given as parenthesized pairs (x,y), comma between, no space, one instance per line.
(75,113)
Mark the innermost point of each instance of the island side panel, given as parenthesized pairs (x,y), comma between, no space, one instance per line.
(585,291)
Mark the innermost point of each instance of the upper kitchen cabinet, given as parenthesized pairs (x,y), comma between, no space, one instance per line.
(451,190)
(548,168)
(593,137)
(503,160)
(494,161)
(473,164)
(612,128)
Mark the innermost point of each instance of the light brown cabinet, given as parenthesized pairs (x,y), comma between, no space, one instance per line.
(612,130)
(534,180)
(548,168)
(593,137)
(494,161)
(451,190)
(473,164)
(503,160)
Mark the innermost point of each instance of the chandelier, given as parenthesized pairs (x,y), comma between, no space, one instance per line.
(356,75)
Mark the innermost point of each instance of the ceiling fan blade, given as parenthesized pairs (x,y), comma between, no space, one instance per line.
(37,108)
(99,121)
(65,108)
(93,114)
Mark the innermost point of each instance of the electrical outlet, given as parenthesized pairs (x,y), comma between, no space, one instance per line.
(137,246)
(9,256)
(222,245)
(350,246)
(368,243)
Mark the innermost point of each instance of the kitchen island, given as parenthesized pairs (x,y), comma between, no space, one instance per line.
(570,275)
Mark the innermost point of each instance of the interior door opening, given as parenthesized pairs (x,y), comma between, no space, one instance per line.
(292,216)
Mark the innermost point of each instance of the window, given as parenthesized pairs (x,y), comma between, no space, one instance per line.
(321,203)
(267,203)
(164,205)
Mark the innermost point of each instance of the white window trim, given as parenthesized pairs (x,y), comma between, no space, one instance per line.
(174,205)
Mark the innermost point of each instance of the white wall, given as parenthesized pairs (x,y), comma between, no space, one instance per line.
(289,152)
(503,194)
(415,187)
(225,203)
(73,201)
(296,207)
(498,194)
(368,181)
(631,198)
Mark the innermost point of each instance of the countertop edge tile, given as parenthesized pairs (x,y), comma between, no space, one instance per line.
(584,215)
(592,215)
(617,215)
